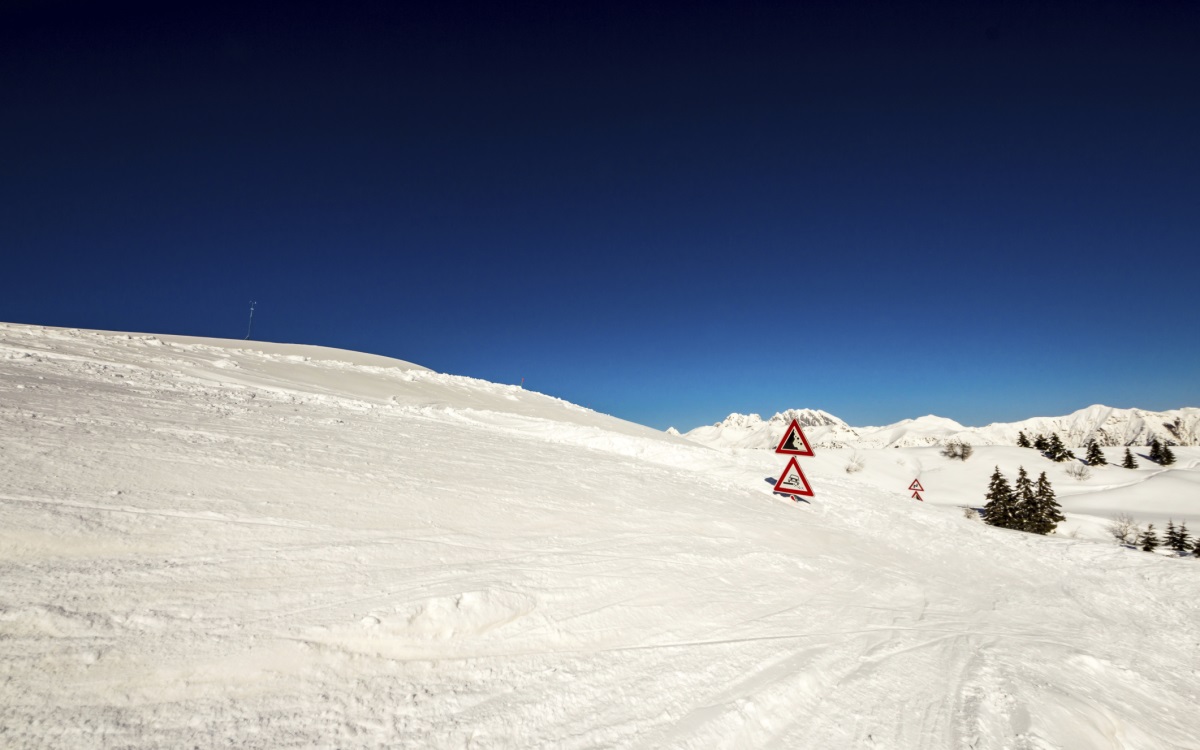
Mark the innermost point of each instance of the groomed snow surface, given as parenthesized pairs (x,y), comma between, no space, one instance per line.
(213,543)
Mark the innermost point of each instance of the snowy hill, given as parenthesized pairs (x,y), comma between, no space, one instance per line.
(1104,424)
(222,543)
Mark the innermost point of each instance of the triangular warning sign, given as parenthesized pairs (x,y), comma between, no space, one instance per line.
(917,495)
(792,481)
(916,485)
(794,443)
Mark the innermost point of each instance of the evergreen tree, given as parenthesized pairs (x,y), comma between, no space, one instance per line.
(1167,457)
(1095,456)
(1196,547)
(1041,443)
(1156,451)
(1171,536)
(1025,508)
(1049,512)
(999,510)
(1130,462)
(1056,451)
(1023,441)
(1148,539)
(1178,538)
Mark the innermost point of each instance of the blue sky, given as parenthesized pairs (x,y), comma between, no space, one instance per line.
(667,213)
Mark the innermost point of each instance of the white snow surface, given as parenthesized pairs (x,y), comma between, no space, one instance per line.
(1106,425)
(213,543)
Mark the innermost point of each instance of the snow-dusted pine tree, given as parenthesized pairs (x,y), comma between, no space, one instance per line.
(1171,535)
(1148,539)
(999,510)
(1130,462)
(1156,451)
(1049,512)
(1167,457)
(1024,505)
(1056,451)
(1041,443)
(1023,440)
(1177,537)
(1095,456)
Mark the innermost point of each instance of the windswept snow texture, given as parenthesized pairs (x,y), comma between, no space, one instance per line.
(230,544)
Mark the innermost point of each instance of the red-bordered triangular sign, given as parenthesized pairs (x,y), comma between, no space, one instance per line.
(792,481)
(916,486)
(794,443)
(917,495)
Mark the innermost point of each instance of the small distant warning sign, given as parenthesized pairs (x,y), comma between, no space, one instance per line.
(917,496)
(792,481)
(794,443)
(916,486)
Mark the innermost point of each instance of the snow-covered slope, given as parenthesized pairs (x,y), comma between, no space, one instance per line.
(209,543)
(1104,424)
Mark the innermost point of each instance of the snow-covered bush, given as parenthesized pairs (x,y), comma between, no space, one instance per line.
(1079,472)
(855,464)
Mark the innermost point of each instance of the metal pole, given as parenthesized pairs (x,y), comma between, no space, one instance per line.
(251,324)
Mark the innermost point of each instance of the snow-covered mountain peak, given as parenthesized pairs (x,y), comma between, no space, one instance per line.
(741,421)
(1107,425)
(807,418)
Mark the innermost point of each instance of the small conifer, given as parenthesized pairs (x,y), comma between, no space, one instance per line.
(1095,456)
(1185,539)
(1156,451)
(1023,440)
(1049,512)
(1171,535)
(999,510)
(1167,457)
(1040,443)
(1148,539)
(1130,462)
(1056,451)
(1024,505)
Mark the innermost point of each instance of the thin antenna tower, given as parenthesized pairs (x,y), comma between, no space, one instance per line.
(251,325)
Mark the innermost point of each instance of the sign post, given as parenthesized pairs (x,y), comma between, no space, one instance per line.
(792,481)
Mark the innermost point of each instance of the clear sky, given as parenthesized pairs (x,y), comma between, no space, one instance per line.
(666,212)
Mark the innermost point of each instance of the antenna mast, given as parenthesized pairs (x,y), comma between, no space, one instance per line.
(251,324)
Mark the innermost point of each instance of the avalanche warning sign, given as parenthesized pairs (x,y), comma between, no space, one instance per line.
(916,486)
(792,481)
(794,443)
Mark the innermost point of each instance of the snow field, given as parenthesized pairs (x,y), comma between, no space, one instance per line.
(209,543)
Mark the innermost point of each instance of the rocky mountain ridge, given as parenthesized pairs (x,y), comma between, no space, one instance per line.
(1107,425)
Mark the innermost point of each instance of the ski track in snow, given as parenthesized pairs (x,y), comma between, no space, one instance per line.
(203,544)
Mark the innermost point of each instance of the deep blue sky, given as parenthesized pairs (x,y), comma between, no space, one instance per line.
(665,212)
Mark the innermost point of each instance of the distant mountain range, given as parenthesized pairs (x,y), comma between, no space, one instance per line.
(1106,425)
